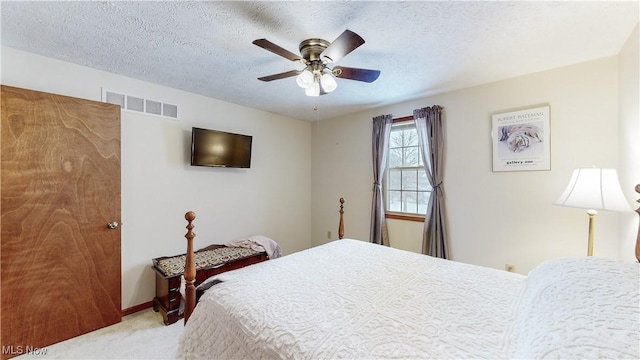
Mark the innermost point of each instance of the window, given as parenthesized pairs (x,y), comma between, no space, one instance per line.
(407,189)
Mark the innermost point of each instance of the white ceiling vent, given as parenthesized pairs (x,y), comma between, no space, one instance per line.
(140,105)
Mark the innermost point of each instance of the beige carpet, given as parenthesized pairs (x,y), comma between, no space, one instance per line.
(139,336)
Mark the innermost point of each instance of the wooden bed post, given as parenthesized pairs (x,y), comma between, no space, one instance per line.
(341,224)
(189,269)
(638,238)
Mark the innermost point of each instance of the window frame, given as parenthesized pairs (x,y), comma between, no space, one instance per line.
(397,214)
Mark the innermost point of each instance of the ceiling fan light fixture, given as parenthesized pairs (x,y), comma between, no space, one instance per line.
(312,72)
(305,79)
(313,90)
(328,82)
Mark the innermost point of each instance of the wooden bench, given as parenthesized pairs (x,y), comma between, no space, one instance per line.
(210,261)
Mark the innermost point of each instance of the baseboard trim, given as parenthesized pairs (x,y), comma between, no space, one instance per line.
(135,309)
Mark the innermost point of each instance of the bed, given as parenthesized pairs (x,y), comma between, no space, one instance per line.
(350,299)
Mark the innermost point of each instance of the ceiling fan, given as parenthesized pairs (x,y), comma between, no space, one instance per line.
(317,78)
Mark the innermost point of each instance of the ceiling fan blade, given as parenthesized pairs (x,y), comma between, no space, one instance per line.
(280,75)
(268,45)
(365,75)
(340,47)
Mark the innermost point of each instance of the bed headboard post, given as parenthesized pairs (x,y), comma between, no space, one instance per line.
(638,238)
(341,224)
(189,269)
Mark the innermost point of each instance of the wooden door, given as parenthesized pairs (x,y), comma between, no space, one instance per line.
(60,188)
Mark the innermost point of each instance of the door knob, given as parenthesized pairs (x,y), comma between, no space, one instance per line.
(112,225)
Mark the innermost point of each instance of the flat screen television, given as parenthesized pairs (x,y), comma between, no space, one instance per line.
(220,149)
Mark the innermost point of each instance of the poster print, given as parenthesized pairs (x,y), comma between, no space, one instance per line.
(521,140)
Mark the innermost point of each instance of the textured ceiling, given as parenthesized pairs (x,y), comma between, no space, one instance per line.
(421,48)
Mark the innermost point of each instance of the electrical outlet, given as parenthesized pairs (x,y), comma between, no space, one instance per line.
(510,268)
(329,235)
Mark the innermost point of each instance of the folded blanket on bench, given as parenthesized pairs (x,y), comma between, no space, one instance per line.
(258,243)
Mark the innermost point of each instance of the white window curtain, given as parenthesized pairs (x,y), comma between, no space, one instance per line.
(431,137)
(381,131)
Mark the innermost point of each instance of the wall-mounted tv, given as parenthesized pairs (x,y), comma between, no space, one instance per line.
(220,149)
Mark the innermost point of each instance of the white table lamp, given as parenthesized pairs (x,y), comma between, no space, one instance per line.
(594,189)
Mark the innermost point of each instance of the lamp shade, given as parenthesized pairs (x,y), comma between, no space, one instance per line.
(305,79)
(313,90)
(596,189)
(328,83)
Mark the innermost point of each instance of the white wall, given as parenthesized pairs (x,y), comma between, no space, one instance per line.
(629,133)
(158,184)
(495,218)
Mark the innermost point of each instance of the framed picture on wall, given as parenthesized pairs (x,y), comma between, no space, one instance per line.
(521,140)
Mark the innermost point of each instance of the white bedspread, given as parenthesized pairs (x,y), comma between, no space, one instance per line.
(354,300)
(581,308)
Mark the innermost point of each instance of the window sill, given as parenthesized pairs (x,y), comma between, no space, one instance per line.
(408,217)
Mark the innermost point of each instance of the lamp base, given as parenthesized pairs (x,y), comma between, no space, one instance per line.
(592,213)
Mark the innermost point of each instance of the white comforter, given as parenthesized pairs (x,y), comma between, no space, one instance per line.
(355,300)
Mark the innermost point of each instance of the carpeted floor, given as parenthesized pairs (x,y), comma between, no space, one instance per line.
(139,336)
